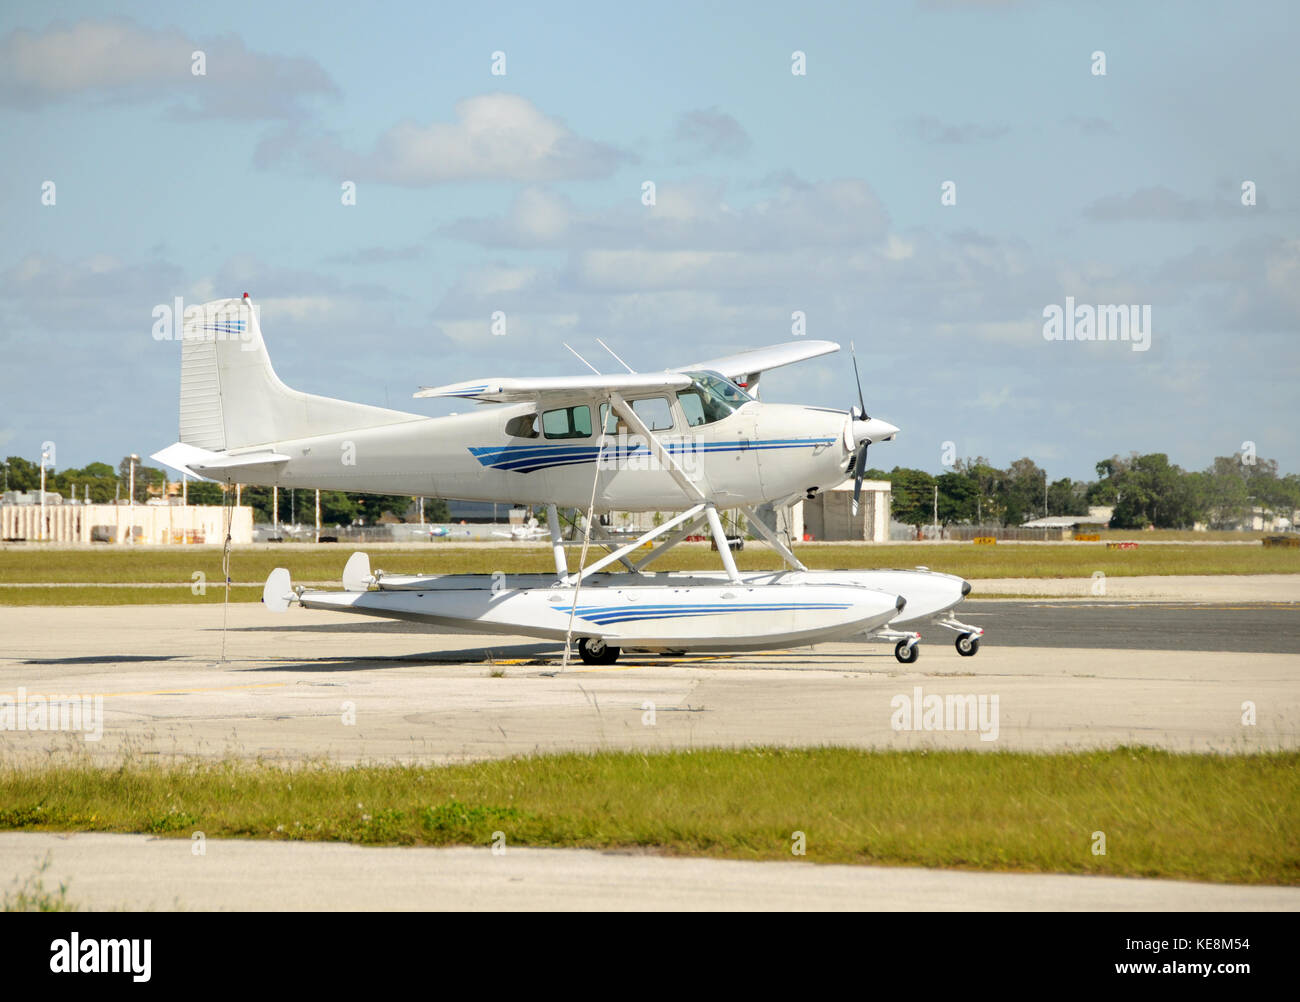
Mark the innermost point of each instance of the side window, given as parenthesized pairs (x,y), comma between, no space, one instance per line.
(655,412)
(523,426)
(567,422)
(610,419)
(692,407)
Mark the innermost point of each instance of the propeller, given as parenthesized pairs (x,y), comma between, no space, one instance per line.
(860,466)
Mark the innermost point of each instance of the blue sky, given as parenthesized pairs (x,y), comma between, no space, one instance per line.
(775,193)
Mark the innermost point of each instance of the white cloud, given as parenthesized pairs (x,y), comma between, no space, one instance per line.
(710,132)
(692,215)
(898,249)
(117,59)
(630,270)
(502,137)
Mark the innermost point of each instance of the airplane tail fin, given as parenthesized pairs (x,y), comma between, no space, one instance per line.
(231,398)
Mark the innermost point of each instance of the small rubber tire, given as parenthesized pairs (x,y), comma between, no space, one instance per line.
(905,654)
(595,651)
(967,645)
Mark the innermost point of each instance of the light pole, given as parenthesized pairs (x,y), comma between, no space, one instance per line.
(134,459)
(45,458)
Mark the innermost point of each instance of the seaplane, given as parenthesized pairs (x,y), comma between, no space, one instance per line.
(688,441)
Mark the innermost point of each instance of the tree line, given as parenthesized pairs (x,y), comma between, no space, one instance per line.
(106,485)
(1144,491)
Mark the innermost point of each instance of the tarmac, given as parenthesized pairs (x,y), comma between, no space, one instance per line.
(137,872)
(322,685)
(176,682)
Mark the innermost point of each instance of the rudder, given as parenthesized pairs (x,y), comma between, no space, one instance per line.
(231,397)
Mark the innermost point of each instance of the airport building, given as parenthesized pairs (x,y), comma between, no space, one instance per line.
(829,515)
(25,519)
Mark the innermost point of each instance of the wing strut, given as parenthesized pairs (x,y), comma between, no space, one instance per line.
(688,486)
(557,543)
(773,539)
(720,539)
(667,544)
(622,551)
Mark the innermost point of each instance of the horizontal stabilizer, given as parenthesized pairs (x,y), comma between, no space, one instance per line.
(204,464)
(181,457)
(241,461)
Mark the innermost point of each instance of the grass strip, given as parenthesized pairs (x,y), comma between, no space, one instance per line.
(1221,818)
(104,566)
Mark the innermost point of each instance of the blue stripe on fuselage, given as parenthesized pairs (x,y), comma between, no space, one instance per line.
(529,458)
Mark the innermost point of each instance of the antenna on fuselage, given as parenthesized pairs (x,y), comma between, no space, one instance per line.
(583,360)
(616,358)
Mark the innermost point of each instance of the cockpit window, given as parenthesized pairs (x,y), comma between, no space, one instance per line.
(523,426)
(567,422)
(693,407)
(711,397)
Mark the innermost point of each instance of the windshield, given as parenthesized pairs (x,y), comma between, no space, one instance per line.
(711,397)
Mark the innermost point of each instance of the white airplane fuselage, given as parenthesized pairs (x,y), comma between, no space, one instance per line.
(689,441)
(761,452)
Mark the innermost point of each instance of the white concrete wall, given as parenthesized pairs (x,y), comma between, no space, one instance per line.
(151,524)
(829,516)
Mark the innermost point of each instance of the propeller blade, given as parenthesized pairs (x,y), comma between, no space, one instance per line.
(862,404)
(859,469)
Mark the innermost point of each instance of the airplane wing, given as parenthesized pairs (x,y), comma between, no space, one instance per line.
(545,388)
(741,366)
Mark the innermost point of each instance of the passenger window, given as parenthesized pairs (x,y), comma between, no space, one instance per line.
(609,419)
(692,407)
(523,426)
(655,412)
(567,422)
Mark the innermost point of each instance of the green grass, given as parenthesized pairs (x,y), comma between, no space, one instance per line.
(249,567)
(1186,535)
(29,894)
(1223,818)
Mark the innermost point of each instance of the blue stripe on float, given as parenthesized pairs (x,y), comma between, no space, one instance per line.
(605,615)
